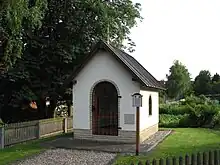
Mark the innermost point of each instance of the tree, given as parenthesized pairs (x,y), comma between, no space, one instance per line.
(16,18)
(216,78)
(216,84)
(69,30)
(178,81)
(202,83)
(216,87)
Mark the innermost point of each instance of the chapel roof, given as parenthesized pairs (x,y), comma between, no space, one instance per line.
(127,60)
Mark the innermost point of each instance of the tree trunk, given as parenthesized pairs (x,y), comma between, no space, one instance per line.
(51,109)
(69,108)
(41,106)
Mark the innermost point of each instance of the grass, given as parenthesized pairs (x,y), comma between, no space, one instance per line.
(180,142)
(21,151)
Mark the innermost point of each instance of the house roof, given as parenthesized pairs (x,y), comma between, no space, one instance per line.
(129,62)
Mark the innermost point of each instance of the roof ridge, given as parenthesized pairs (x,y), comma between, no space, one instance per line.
(129,61)
(148,78)
(137,62)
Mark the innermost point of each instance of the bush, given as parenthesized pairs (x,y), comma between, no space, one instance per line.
(216,120)
(171,121)
(193,112)
(193,101)
(174,109)
(1,122)
(202,115)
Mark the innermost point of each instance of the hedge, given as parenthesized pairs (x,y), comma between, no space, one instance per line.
(193,112)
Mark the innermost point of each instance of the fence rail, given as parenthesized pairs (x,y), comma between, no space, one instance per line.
(205,158)
(20,132)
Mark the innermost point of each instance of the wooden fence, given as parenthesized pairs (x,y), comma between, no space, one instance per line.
(20,132)
(205,158)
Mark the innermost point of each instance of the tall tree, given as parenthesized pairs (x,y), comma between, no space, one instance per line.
(178,81)
(17,16)
(17,19)
(216,84)
(202,83)
(216,87)
(216,78)
(69,30)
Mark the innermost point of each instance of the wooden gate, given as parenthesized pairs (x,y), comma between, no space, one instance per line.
(105,110)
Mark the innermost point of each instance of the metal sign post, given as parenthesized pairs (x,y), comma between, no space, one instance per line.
(137,102)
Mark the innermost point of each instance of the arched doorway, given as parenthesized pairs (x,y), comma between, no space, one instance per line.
(105,109)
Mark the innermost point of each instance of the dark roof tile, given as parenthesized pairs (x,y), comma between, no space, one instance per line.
(130,62)
(137,68)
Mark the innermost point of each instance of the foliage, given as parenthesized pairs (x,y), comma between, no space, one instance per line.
(162,96)
(216,77)
(174,109)
(1,122)
(17,17)
(216,119)
(193,112)
(178,81)
(69,30)
(179,85)
(216,87)
(202,115)
(172,121)
(202,84)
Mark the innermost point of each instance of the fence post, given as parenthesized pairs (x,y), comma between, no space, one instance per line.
(210,158)
(199,161)
(193,159)
(180,160)
(205,159)
(187,160)
(65,125)
(174,162)
(216,157)
(2,136)
(38,129)
(161,162)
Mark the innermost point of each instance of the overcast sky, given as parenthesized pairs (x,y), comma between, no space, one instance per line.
(184,30)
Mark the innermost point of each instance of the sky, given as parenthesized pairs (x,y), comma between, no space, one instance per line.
(184,30)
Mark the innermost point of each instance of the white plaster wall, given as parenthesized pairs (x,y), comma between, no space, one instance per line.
(145,119)
(102,66)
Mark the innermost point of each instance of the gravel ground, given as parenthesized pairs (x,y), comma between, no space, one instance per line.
(72,156)
(75,144)
(69,157)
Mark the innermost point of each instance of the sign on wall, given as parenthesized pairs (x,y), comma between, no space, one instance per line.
(129,118)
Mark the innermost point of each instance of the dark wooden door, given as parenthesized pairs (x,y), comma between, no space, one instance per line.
(105,110)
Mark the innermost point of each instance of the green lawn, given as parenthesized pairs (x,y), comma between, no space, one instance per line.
(19,151)
(180,142)
(23,150)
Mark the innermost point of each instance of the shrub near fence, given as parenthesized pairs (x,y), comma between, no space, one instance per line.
(20,132)
(207,158)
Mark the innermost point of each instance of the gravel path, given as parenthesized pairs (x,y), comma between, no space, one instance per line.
(69,157)
(75,144)
(102,154)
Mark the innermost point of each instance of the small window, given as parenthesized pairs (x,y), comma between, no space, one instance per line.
(150,106)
